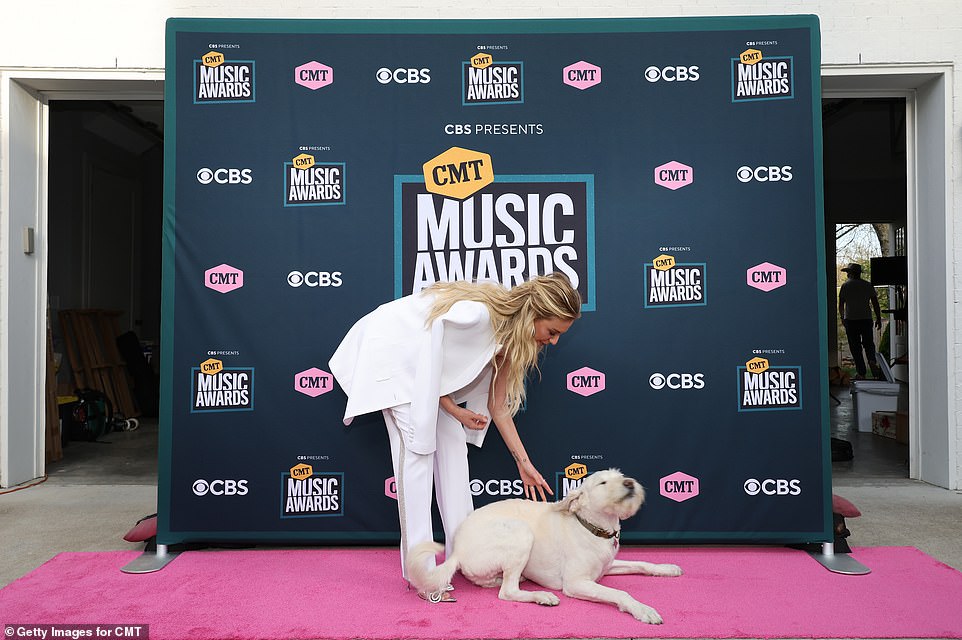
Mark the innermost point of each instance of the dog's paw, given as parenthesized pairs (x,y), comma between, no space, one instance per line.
(644,613)
(546,598)
(667,570)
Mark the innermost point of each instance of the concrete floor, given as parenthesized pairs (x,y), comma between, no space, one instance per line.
(98,491)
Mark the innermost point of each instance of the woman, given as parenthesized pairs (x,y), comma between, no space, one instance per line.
(418,359)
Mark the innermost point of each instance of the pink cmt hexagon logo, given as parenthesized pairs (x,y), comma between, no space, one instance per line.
(223,278)
(313,75)
(674,175)
(390,488)
(679,486)
(313,382)
(582,75)
(586,381)
(767,276)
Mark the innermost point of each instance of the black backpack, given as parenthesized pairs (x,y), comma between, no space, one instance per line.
(92,415)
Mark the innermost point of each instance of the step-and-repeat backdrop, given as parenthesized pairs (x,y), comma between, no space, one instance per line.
(670,167)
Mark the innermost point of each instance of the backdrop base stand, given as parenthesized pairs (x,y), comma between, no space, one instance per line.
(149,562)
(838,562)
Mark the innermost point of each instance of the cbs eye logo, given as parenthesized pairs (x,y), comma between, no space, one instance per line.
(206,175)
(314,278)
(764,174)
(773,487)
(403,76)
(220,487)
(659,381)
(672,73)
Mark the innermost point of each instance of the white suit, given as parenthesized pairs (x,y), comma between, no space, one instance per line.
(391,361)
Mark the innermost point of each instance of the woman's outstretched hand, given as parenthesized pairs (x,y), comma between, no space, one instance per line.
(534,483)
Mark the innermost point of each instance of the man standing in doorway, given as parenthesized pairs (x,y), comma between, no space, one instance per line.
(856,300)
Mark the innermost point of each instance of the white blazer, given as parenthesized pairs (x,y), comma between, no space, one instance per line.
(390,357)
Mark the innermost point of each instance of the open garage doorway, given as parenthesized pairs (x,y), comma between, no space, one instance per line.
(105,210)
(865,168)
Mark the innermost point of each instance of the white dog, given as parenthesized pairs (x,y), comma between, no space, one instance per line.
(565,546)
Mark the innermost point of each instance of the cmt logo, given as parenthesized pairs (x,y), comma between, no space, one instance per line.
(576,471)
(215,387)
(669,283)
(311,183)
(220,487)
(674,175)
(767,276)
(582,75)
(659,381)
(223,278)
(764,174)
(679,486)
(672,74)
(403,76)
(770,487)
(458,173)
(306,493)
(586,381)
(484,81)
(206,175)
(759,77)
(218,80)
(313,382)
(763,387)
(390,488)
(313,75)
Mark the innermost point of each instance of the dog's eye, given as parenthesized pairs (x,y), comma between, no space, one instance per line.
(603,482)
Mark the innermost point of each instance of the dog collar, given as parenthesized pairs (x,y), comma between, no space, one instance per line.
(598,531)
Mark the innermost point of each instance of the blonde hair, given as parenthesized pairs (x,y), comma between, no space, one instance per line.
(513,312)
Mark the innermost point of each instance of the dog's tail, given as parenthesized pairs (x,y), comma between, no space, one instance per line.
(427,580)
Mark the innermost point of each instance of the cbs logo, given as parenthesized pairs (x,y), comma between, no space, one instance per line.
(764,174)
(496,487)
(314,278)
(220,487)
(672,74)
(403,76)
(769,487)
(224,176)
(659,381)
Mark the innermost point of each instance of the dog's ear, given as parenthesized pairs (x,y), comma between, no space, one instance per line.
(572,502)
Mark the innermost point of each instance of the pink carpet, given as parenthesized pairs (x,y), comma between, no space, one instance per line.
(356,593)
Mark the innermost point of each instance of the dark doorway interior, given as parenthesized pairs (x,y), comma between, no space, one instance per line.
(105,210)
(866,190)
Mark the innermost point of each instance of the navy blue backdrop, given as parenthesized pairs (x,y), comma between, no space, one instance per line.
(670,167)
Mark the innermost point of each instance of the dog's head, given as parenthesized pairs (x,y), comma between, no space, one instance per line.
(607,492)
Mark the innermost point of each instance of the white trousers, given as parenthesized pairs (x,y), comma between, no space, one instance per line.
(443,472)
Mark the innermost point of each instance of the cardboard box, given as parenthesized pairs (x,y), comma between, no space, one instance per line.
(902,427)
(884,424)
(891,424)
(871,396)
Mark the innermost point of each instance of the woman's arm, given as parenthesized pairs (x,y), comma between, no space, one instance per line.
(498,407)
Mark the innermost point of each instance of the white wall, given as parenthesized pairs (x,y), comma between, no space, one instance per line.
(110,34)
(116,34)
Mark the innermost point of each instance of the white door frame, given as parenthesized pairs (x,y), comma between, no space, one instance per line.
(24,96)
(927,89)
(933,429)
